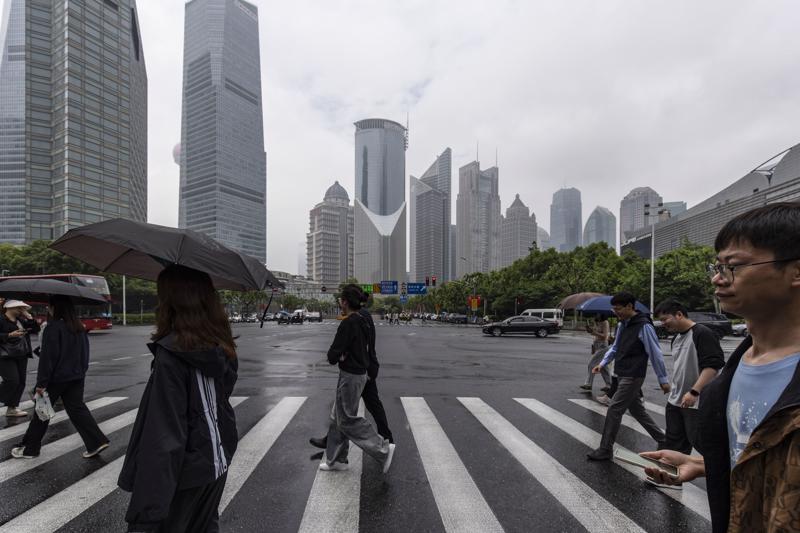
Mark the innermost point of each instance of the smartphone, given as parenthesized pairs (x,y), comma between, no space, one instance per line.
(643,462)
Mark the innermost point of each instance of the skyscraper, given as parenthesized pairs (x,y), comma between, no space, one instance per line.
(601,226)
(329,242)
(565,220)
(429,215)
(517,233)
(542,239)
(223,185)
(675,208)
(73,116)
(478,219)
(380,204)
(632,211)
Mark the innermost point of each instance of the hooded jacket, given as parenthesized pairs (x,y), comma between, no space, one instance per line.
(185,431)
(64,355)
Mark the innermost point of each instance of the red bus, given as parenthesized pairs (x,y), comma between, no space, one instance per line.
(93,317)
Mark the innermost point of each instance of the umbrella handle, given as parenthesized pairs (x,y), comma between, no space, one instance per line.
(264,314)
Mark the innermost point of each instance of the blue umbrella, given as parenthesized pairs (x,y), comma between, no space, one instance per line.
(601,305)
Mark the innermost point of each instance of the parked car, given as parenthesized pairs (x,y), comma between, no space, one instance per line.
(740,330)
(314,316)
(283,317)
(269,316)
(522,325)
(455,318)
(716,322)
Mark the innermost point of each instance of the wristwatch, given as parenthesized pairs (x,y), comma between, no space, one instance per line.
(694,393)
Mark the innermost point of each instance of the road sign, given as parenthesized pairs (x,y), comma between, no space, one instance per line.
(474,302)
(389,287)
(403,298)
(417,288)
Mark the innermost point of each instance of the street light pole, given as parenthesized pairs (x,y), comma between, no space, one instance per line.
(647,213)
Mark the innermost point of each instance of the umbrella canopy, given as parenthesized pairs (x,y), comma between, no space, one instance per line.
(143,250)
(40,290)
(574,300)
(601,305)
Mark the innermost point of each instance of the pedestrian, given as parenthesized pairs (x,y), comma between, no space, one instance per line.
(63,362)
(749,415)
(16,327)
(635,343)
(185,435)
(697,356)
(350,351)
(372,400)
(600,331)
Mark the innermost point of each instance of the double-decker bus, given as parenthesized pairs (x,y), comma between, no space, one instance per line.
(93,317)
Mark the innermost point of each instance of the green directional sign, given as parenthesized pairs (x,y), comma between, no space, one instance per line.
(367,288)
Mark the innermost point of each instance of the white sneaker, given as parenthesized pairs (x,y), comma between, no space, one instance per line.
(19,453)
(88,454)
(388,462)
(13,411)
(335,466)
(605,400)
(655,483)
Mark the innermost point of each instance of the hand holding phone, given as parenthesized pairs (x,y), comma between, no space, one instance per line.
(645,462)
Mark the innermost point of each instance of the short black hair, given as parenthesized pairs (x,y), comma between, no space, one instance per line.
(352,294)
(772,227)
(671,307)
(623,298)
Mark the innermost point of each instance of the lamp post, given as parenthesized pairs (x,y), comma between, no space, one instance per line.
(653,221)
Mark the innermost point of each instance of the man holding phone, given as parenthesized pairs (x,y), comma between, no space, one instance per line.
(749,416)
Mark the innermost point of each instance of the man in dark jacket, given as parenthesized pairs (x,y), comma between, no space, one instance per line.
(635,343)
(749,416)
(16,327)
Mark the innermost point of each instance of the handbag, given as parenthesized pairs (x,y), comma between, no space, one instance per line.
(14,347)
(42,406)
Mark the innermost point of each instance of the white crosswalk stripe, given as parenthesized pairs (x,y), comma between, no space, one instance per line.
(627,420)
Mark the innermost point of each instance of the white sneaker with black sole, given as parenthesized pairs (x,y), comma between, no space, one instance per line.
(388,462)
(19,453)
(88,455)
(335,466)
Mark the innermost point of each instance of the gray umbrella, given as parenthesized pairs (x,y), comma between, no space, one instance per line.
(142,250)
(39,290)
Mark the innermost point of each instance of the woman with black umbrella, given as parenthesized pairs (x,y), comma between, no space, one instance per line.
(16,326)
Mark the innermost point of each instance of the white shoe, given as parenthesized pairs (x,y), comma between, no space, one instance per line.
(13,411)
(655,483)
(88,454)
(19,453)
(335,466)
(388,462)
(605,400)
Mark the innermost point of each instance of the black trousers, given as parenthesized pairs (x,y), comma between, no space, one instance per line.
(80,416)
(195,510)
(373,404)
(681,429)
(13,370)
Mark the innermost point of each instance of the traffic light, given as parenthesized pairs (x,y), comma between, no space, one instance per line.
(427,281)
(433,280)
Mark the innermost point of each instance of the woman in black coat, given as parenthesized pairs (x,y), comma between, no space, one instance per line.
(63,362)
(16,326)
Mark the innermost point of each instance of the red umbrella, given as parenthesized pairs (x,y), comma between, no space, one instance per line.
(574,300)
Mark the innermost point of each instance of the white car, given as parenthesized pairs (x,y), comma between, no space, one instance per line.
(740,330)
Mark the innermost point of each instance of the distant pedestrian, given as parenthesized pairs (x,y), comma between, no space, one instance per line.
(63,362)
(185,434)
(350,351)
(16,327)
(634,345)
(600,332)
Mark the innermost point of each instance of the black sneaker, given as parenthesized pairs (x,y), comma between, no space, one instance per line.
(319,443)
(599,455)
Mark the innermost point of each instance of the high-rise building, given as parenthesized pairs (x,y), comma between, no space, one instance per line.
(478,219)
(565,220)
(429,221)
(601,226)
(329,242)
(380,204)
(223,168)
(453,252)
(73,116)
(542,239)
(517,232)
(632,211)
(674,208)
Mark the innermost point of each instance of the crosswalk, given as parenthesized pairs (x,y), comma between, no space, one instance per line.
(540,443)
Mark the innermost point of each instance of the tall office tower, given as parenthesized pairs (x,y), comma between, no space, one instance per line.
(674,208)
(380,204)
(223,168)
(73,116)
(565,220)
(542,239)
(517,232)
(601,226)
(453,252)
(478,219)
(429,216)
(632,211)
(329,242)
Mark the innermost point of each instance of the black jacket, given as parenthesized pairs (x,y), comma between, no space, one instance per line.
(7,326)
(185,431)
(349,348)
(631,358)
(374,365)
(64,355)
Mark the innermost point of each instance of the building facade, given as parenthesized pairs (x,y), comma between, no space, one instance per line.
(329,242)
(223,172)
(517,232)
(601,226)
(632,210)
(429,221)
(542,239)
(380,203)
(73,116)
(478,219)
(566,220)
(674,208)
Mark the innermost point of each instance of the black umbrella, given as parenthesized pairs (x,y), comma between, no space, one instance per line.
(142,250)
(39,290)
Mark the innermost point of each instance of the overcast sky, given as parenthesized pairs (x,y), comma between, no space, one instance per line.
(683,96)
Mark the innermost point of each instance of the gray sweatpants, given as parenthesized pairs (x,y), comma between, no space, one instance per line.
(346,425)
(628,398)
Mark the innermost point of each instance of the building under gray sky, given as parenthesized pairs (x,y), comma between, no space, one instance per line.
(329,242)
(517,232)
(601,226)
(429,221)
(73,119)
(223,174)
(478,219)
(565,220)
(542,238)
(632,210)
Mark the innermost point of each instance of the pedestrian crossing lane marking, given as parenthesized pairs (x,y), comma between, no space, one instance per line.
(461,504)
(593,511)
(256,443)
(53,513)
(627,420)
(691,496)
(659,409)
(334,504)
(20,429)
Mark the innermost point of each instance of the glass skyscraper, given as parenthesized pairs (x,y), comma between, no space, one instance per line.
(601,226)
(478,219)
(429,220)
(73,116)
(223,166)
(565,220)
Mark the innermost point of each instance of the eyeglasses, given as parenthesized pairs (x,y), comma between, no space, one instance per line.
(726,271)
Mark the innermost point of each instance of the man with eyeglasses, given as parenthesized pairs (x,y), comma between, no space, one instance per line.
(749,416)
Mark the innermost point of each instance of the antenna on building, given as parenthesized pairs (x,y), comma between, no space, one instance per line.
(407,123)
(478,151)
